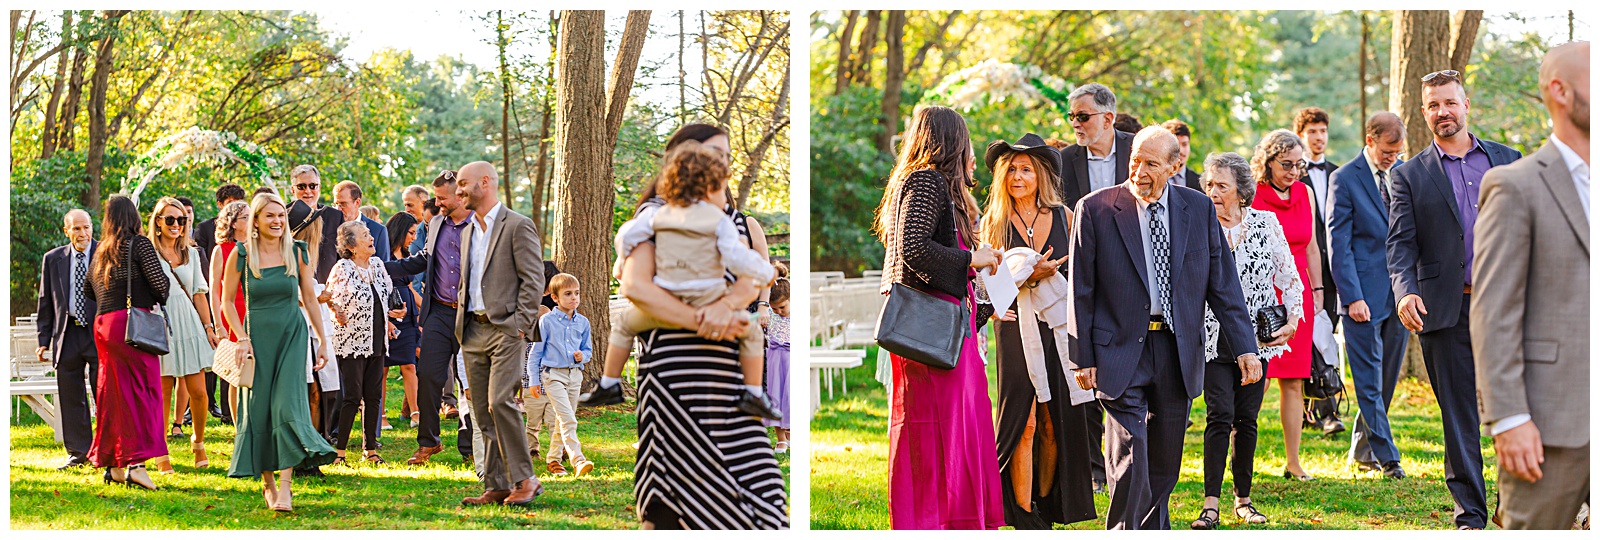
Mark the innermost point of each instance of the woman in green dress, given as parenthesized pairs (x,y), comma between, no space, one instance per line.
(275,430)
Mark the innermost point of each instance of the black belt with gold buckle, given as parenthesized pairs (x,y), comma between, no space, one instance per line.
(1157,324)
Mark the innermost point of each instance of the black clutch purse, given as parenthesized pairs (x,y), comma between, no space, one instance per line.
(395,302)
(1268,320)
(147,330)
(922,327)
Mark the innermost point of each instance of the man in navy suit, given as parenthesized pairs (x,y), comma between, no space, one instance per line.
(1374,342)
(66,326)
(1145,240)
(1430,264)
(347,196)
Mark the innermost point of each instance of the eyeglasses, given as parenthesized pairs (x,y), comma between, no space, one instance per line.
(176,220)
(1444,72)
(1082,117)
(307,187)
(1301,165)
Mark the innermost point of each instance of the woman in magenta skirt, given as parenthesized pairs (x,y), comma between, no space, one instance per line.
(943,470)
(1278,163)
(126,270)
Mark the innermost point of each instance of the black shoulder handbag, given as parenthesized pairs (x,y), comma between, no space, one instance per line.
(922,327)
(1325,382)
(147,330)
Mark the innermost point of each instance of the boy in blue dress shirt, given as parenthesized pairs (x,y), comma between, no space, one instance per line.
(557,367)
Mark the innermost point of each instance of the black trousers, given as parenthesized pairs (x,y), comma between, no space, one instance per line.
(464,425)
(362,380)
(76,361)
(1447,354)
(439,349)
(1231,412)
(1144,450)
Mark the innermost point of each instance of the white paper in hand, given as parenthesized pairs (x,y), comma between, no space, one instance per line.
(1001,287)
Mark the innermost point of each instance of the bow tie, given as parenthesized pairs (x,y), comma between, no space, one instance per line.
(1320,165)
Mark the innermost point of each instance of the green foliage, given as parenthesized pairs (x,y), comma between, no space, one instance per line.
(847,178)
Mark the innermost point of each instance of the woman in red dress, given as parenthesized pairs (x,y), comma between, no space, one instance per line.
(1278,163)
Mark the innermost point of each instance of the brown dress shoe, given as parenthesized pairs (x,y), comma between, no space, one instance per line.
(525,492)
(555,468)
(447,411)
(423,453)
(488,497)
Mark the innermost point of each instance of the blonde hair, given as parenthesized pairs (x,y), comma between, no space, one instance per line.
(996,215)
(153,229)
(311,234)
(562,282)
(291,263)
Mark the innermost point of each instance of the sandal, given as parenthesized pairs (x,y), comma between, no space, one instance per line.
(1208,520)
(375,459)
(340,462)
(201,461)
(177,431)
(1248,513)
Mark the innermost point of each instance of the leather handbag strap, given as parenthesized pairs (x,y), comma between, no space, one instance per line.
(128,243)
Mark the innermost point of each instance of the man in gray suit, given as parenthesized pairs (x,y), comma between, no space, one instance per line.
(499,299)
(1530,317)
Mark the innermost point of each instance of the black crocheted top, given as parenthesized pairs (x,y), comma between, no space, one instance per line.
(150,283)
(921,250)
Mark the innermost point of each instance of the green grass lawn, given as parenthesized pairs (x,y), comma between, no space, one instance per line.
(360,496)
(849,479)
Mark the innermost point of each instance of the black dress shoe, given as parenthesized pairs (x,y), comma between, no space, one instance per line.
(1332,426)
(1099,487)
(216,412)
(1392,470)
(188,419)
(74,460)
(758,406)
(602,395)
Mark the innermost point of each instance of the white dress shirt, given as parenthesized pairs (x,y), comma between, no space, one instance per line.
(478,255)
(1319,188)
(1102,170)
(1149,252)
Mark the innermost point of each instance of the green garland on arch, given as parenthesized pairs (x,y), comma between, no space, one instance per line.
(197,145)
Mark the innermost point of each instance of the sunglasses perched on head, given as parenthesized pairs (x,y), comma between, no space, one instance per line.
(1445,72)
(1082,116)
(181,221)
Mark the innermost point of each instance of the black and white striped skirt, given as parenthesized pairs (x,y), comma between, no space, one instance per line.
(702,464)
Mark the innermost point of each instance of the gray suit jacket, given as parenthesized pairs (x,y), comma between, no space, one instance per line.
(513,278)
(1530,307)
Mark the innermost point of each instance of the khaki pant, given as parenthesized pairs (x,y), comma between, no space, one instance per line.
(538,412)
(1551,503)
(494,372)
(561,387)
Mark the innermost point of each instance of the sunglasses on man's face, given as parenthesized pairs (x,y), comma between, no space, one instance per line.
(1082,116)
(307,187)
(180,221)
(1445,72)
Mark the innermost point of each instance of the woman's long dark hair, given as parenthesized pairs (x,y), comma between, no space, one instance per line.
(936,139)
(398,225)
(119,224)
(689,132)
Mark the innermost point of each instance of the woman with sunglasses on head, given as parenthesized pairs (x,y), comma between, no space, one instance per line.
(1278,164)
(190,325)
(230,231)
(125,275)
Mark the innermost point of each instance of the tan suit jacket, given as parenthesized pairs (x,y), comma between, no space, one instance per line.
(1530,307)
(513,279)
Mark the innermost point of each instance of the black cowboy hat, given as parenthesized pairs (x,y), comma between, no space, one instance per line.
(1030,144)
(300,216)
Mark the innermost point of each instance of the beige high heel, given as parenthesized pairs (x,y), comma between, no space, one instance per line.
(285,496)
(201,460)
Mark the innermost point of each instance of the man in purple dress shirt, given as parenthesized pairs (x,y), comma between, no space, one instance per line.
(1430,266)
(439,345)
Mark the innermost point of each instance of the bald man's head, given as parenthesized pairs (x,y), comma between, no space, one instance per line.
(1564,84)
(78,227)
(475,184)
(1156,156)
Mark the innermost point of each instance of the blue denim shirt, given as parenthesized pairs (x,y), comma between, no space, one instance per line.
(560,335)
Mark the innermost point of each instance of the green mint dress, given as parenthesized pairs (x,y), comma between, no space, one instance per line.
(275,429)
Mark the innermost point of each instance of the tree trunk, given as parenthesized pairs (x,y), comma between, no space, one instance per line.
(501,41)
(634,32)
(542,181)
(47,139)
(1463,34)
(862,65)
(1419,48)
(758,155)
(582,233)
(1366,36)
(894,73)
(841,78)
(95,164)
(69,109)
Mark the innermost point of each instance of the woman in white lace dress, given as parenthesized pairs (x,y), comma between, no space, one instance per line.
(1266,266)
(359,288)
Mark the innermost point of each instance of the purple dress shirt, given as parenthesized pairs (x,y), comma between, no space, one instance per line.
(1466,176)
(448,277)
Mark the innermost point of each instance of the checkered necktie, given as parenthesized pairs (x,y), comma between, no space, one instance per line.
(80,271)
(1383,189)
(1163,263)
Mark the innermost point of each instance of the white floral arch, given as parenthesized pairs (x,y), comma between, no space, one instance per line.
(196,145)
(992,82)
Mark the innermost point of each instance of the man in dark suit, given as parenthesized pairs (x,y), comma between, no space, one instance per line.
(1100,157)
(1311,125)
(1374,341)
(1148,241)
(1430,263)
(205,237)
(66,326)
(347,198)
(1188,177)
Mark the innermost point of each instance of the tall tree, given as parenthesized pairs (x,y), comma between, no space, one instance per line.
(841,79)
(502,40)
(894,75)
(103,64)
(861,65)
(541,212)
(757,155)
(936,39)
(1420,46)
(1463,34)
(47,139)
(69,108)
(1366,36)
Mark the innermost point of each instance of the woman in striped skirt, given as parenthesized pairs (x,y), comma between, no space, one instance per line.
(702,463)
